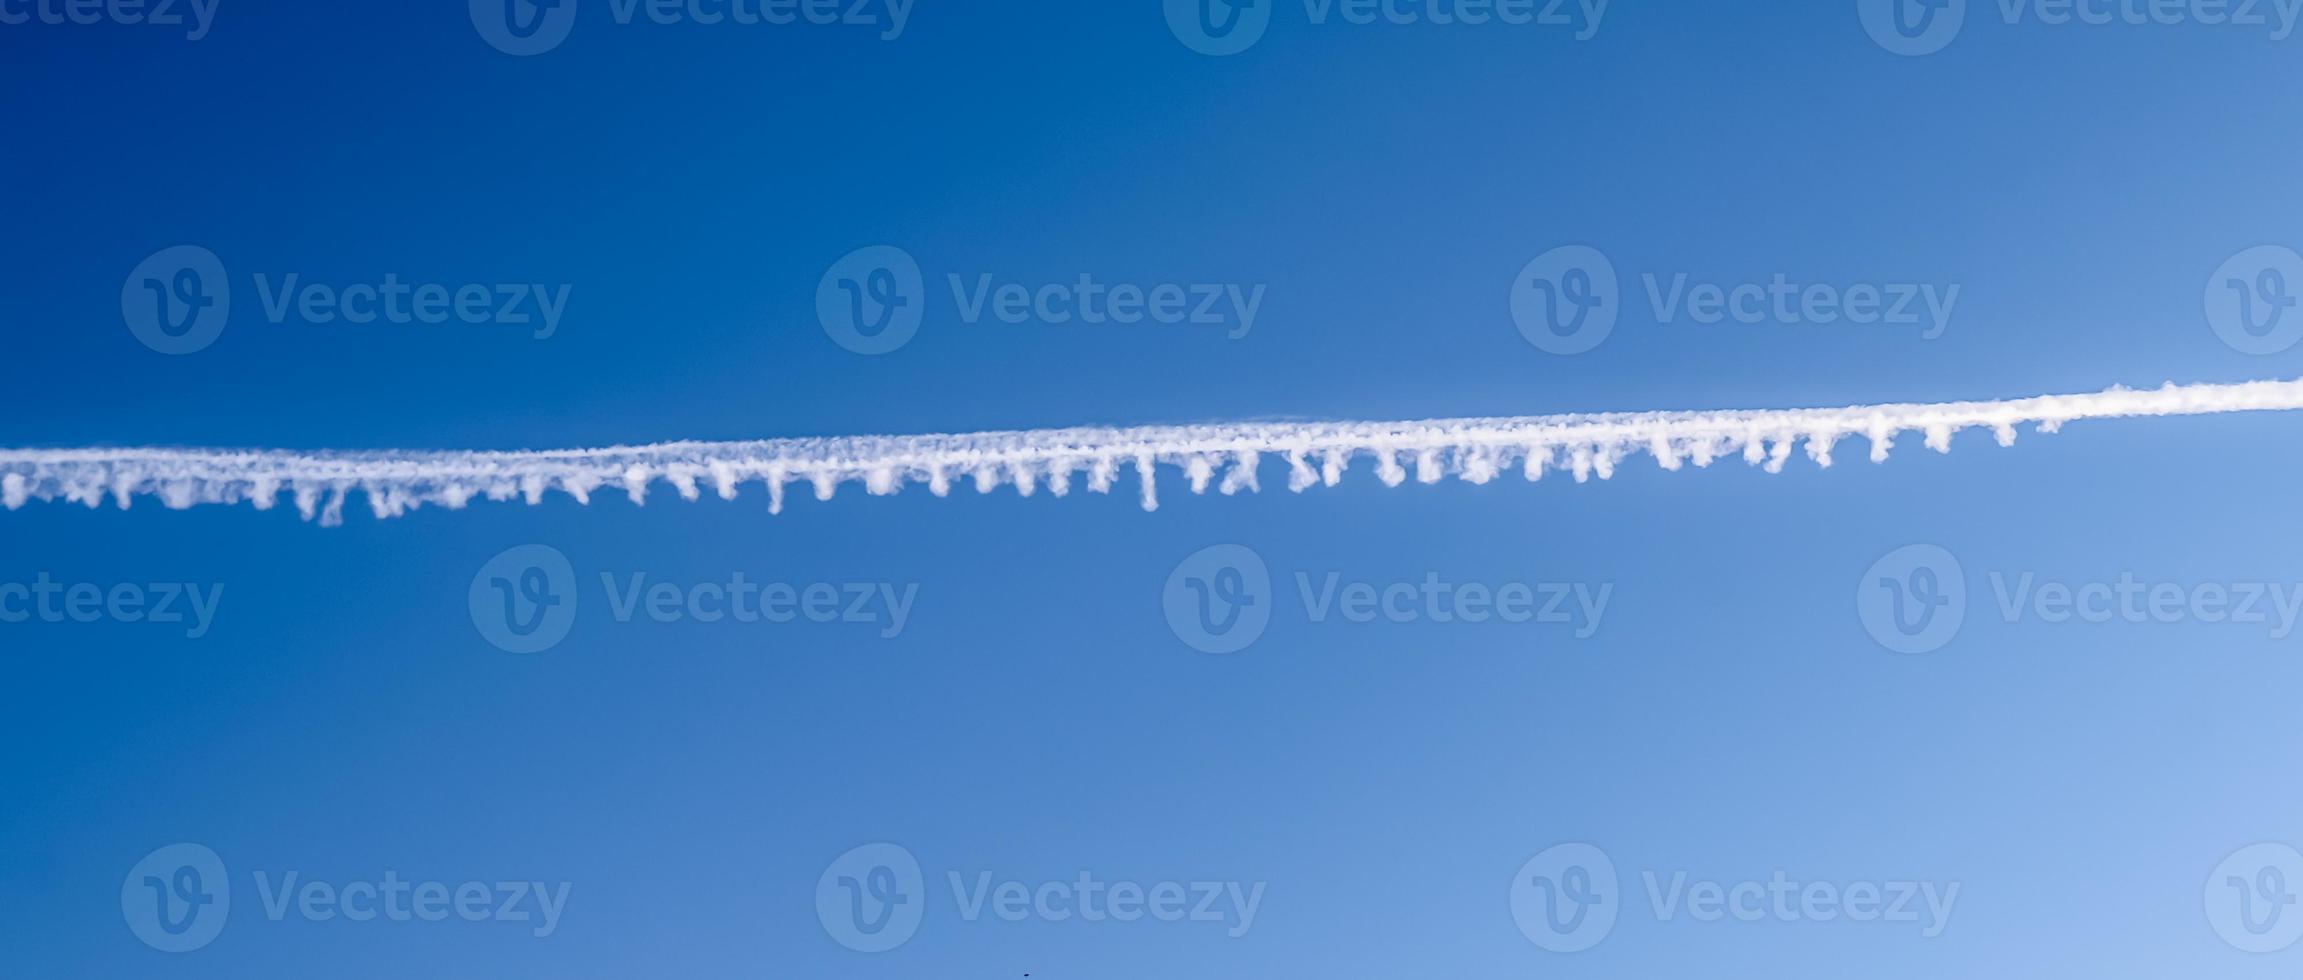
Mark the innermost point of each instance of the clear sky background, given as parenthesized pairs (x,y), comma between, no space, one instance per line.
(1038,715)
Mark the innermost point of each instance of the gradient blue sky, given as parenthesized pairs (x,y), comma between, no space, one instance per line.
(1037,716)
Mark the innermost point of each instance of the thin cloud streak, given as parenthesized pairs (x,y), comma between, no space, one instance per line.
(1227,457)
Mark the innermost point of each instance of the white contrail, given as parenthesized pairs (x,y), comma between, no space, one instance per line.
(1225,455)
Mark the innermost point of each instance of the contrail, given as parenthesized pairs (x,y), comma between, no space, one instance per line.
(1227,456)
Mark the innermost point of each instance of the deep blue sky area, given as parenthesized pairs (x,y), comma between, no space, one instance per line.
(1715,701)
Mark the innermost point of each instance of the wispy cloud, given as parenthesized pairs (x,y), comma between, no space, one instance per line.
(1227,457)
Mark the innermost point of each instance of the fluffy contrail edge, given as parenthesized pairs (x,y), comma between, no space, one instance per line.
(1227,456)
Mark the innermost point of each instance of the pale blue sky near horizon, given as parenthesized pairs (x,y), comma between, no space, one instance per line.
(1038,714)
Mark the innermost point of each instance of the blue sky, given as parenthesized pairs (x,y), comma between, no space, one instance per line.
(1039,713)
